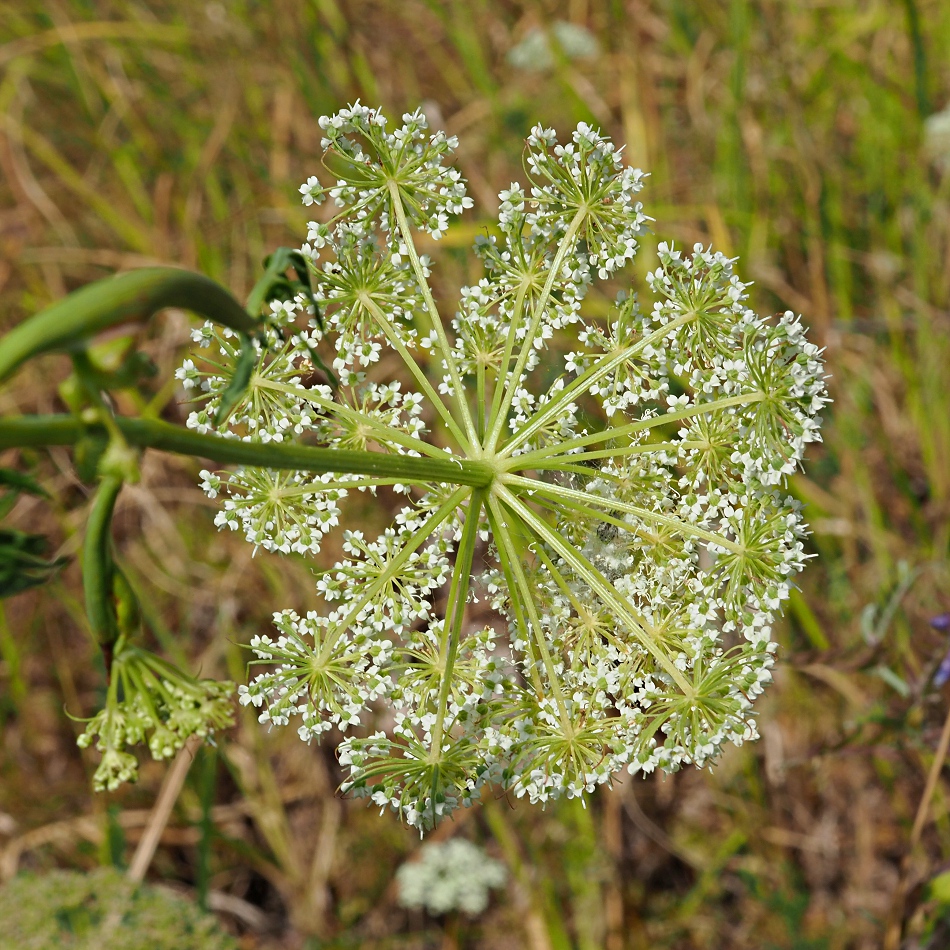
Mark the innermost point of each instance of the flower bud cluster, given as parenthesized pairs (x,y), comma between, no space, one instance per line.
(585,177)
(273,407)
(408,159)
(151,702)
(325,679)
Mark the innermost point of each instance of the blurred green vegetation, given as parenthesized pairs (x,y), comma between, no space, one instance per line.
(789,133)
(69,910)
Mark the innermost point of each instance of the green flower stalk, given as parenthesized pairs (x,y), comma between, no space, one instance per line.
(626,518)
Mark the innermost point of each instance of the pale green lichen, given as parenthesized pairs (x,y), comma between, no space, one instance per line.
(102,910)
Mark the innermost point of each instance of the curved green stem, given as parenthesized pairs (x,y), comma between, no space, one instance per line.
(38,431)
(129,298)
(97,567)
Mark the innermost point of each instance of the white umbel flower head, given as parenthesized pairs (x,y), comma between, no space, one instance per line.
(450,876)
(614,489)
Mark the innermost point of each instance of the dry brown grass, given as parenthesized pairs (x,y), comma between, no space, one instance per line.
(789,133)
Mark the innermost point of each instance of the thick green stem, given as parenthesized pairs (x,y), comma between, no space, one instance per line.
(97,567)
(129,298)
(37,431)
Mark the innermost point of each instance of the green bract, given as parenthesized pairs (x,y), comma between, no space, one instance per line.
(631,530)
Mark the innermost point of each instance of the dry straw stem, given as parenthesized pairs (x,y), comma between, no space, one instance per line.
(158,819)
(162,809)
(74,33)
(911,873)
